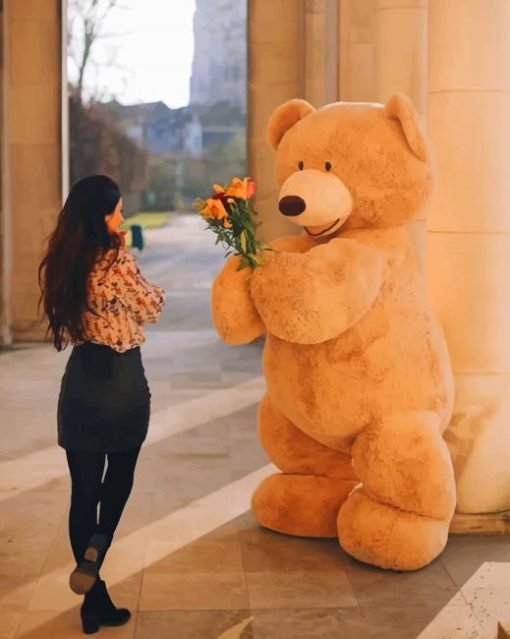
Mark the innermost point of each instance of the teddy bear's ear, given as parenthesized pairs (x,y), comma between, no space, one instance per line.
(399,107)
(284,117)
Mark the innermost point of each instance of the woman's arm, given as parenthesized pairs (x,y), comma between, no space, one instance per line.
(143,300)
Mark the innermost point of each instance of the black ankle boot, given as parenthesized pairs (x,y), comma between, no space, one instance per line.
(99,610)
(86,572)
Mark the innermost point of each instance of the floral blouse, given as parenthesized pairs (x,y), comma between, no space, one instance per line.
(123,301)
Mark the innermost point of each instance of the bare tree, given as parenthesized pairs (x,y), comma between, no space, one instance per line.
(86,22)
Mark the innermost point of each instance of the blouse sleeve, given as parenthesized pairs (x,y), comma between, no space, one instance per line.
(143,300)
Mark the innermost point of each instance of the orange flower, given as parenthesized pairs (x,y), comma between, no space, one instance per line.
(214,208)
(217,188)
(242,189)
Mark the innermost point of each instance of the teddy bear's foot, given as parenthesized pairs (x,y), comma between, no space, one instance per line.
(302,505)
(387,537)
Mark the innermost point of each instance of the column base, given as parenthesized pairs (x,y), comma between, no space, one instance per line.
(481,524)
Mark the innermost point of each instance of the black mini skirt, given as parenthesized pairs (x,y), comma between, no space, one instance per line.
(104,400)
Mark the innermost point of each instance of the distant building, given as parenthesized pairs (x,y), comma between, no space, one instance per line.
(157,128)
(219,61)
(187,131)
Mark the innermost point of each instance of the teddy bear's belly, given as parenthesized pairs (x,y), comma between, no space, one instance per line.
(332,391)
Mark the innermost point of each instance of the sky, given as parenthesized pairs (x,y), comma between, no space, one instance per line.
(153,45)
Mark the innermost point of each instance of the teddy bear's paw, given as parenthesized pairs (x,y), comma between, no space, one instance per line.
(235,317)
(302,505)
(384,536)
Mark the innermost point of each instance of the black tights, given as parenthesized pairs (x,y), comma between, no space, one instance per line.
(87,490)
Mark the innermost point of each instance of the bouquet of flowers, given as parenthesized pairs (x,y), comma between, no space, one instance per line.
(230,215)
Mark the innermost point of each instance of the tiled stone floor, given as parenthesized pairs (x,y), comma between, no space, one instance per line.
(188,558)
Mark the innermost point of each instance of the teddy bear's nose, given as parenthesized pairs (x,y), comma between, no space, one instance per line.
(292,205)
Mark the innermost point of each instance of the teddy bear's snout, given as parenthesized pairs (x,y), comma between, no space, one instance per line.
(292,205)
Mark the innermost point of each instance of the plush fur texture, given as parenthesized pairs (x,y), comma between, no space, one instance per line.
(359,384)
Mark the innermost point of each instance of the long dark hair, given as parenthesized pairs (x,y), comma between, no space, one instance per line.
(73,247)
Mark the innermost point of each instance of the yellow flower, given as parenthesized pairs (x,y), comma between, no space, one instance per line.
(218,188)
(239,188)
(214,209)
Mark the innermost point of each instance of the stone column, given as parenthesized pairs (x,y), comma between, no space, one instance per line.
(292,53)
(400,50)
(356,51)
(469,236)
(321,51)
(400,64)
(5,244)
(275,74)
(33,71)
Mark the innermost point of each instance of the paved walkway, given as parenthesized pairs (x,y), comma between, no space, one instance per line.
(188,558)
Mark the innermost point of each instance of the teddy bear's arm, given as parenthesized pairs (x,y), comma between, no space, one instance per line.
(234,315)
(312,297)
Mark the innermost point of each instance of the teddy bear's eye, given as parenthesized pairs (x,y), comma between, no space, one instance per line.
(301,165)
(327,166)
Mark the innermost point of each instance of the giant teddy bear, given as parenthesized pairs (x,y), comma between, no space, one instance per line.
(359,384)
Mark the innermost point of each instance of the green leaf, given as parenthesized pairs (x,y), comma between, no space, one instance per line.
(241,265)
(243,241)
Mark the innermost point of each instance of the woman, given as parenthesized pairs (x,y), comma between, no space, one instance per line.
(95,298)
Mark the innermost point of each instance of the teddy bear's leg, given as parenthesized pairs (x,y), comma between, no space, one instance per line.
(399,517)
(305,497)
